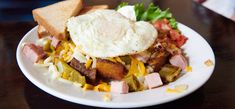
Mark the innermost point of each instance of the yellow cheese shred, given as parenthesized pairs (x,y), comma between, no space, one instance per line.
(188,69)
(68,48)
(119,60)
(87,87)
(142,68)
(102,87)
(134,67)
(107,97)
(137,68)
(208,63)
(111,59)
(88,63)
(177,89)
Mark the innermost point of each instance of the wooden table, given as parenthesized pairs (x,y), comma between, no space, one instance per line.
(17,92)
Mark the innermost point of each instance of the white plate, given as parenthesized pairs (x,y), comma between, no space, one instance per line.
(196,48)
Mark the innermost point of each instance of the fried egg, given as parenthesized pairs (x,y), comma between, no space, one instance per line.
(107,33)
(128,12)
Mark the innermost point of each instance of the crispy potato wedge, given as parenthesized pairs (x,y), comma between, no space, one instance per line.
(110,70)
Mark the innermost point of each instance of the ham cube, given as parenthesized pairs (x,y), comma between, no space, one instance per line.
(55,42)
(153,80)
(33,52)
(179,61)
(119,87)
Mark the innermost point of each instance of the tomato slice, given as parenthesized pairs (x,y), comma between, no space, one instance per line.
(181,40)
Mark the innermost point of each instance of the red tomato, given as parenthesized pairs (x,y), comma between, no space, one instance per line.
(162,25)
(181,40)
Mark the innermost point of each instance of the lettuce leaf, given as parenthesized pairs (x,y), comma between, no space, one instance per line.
(139,11)
(152,13)
(121,5)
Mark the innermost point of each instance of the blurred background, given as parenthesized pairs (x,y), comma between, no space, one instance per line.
(20,10)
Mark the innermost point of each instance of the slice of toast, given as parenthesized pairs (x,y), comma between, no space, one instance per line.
(42,32)
(89,9)
(54,17)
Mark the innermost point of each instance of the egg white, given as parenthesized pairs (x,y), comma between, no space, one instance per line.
(107,33)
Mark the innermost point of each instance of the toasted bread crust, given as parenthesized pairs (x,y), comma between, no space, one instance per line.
(53,30)
(42,32)
(89,9)
(56,24)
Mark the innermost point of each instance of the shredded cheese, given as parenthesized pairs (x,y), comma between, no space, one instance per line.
(137,68)
(111,59)
(142,68)
(107,97)
(67,52)
(103,87)
(208,63)
(188,69)
(119,60)
(88,63)
(181,87)
(177,89)
(134,66)
(87,87)
(169,90)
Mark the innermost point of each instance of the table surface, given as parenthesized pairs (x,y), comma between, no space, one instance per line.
(17,92)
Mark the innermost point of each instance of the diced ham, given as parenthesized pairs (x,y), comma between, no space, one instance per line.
(153,80)
(55,42)
(179,61)
(119,87)
(33,52)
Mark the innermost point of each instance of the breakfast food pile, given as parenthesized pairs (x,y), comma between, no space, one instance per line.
(122,50)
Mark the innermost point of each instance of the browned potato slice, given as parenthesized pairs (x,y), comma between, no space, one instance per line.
(110,70)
